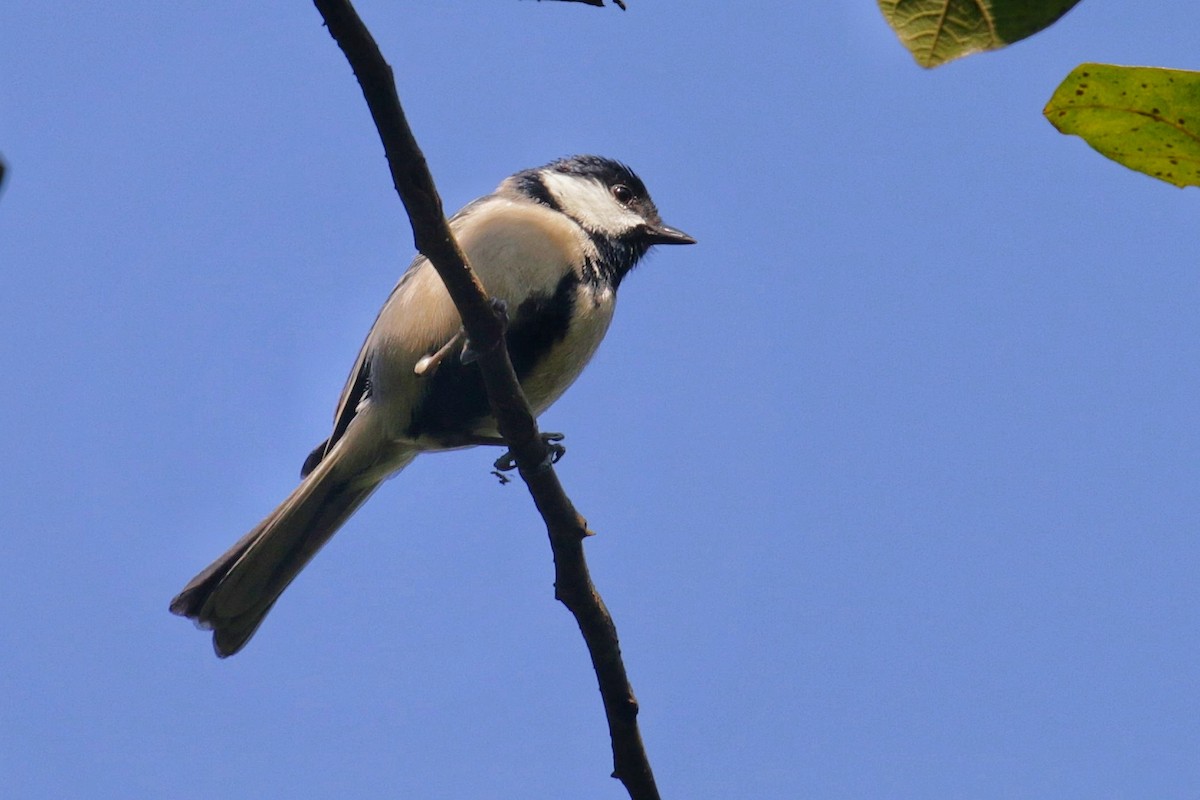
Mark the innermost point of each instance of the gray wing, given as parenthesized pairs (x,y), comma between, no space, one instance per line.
(358,385)
(357,388)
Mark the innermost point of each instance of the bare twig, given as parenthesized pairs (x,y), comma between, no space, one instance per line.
(566,528)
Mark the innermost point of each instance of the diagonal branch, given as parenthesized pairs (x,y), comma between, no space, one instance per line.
(566,528)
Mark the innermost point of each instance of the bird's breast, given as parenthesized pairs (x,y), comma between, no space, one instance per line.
(558,314)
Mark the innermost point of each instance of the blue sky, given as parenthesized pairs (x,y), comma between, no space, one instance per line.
(895,473)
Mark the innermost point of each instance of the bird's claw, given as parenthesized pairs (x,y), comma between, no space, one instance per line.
(469,354)
(555,452)
(500,307)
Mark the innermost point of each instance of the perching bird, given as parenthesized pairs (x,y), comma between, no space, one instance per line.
(552,244)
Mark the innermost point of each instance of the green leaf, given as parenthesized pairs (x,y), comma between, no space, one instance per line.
(1146,118)
(937,31)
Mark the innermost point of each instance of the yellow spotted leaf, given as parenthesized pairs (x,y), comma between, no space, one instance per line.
(1146,118)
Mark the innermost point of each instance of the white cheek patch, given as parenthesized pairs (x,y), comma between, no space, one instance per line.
(590,203)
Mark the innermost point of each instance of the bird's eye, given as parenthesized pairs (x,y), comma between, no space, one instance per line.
(623,193)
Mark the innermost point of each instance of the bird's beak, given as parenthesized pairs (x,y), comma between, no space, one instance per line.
(664,234)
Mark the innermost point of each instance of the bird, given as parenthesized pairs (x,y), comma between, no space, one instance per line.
(551,245)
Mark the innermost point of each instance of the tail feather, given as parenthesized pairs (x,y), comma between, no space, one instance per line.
(234,593)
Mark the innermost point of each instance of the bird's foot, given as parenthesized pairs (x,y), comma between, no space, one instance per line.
(470,354)
(555,451)
(429,364)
